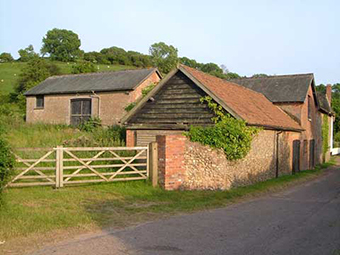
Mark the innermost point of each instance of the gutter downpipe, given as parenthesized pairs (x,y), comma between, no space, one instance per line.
(277,153)
(94,95)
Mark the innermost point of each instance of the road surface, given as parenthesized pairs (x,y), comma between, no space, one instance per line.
(304,219)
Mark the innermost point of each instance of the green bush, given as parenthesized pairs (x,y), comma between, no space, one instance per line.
(230,134)
(83,67)
(111,136)
(6,163)
(147,89)
(90,125)
(130,106)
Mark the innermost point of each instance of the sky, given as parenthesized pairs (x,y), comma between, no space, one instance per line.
(272,37)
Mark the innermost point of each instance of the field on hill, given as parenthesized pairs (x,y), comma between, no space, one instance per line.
(9,72)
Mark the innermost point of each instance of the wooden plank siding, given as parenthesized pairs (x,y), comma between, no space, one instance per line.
(177,103)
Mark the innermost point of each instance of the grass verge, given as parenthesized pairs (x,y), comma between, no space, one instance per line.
(30,211)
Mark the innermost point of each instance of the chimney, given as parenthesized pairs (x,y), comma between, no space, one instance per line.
(329,92)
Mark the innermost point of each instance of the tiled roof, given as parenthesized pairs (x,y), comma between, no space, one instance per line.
(279,88)
(324,104)
(97,82)
(251,106)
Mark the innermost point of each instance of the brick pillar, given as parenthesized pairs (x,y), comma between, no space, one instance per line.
(130,138)
(171,149)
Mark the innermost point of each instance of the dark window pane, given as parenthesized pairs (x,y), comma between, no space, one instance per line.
(76,107)
(40,101)
(309,107)
(86,107)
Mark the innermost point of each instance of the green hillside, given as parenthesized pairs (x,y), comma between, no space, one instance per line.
(9,72)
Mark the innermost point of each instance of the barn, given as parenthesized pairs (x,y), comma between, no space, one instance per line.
(73,99)
(174,105)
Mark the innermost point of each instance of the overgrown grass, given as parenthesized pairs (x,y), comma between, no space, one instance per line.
(9,72)
(21,134)
(30,211)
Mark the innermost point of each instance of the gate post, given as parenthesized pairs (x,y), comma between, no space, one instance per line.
(153,163)
(59,167)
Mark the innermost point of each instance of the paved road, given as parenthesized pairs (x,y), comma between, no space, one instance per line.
(301,220)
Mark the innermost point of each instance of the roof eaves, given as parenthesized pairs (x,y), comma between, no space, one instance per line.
(76,92)
(274,127)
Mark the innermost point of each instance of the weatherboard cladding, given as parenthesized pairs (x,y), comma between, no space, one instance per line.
(176,103)
(97,82)
(280,88)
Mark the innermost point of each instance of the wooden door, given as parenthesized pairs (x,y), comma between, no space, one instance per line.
(296,156)
(311,154)
(80,110)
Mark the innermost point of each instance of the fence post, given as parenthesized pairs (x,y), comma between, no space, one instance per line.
(153,163)
(59,167)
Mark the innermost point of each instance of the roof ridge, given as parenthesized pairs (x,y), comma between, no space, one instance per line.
(274,76)
(97,73)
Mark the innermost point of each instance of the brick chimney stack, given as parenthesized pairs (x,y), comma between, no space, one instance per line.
(329,92)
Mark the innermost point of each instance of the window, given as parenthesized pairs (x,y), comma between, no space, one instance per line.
(309,108)
(80,110)
(39,102)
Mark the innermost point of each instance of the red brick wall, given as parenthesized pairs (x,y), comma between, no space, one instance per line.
(130,138)
(171,165)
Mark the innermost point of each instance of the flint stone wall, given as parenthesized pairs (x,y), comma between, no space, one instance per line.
(208,168)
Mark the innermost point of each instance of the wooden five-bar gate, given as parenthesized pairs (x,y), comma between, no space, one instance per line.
(62,166)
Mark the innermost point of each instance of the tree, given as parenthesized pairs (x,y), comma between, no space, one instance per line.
(139,60)
(116,55)
(212,68)
(231,75)
(35,71)
(83,67)
(163,56)
(321,88)
(6,57)
(190,62)
(224,69)
(27,53)
(259,75)
(61,44)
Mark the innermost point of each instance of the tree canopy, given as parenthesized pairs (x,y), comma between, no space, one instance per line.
(61,44)
(35,71)
(6,57)
(163,56)
(27,53)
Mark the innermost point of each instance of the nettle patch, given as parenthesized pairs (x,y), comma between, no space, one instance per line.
(228,133)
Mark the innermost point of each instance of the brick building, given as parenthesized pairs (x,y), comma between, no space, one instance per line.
(280,148)
(296,95)
(71,99)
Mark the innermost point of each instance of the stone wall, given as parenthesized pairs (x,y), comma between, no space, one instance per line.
(187,165)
